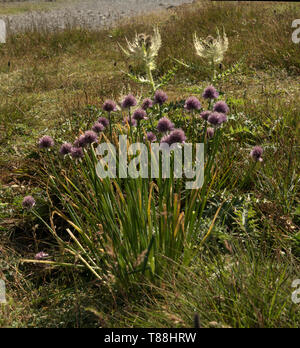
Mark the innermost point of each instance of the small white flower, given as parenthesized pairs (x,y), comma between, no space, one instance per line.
(41,256)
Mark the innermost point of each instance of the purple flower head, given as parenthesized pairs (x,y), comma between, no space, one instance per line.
(216,118)
(160,97)
(139,115)
(77,152)
(210,93)
(90,137)
(129,101)
(104,121)
(176,136)
(164,125)
(109,106)
(80,141)
(46,142)
(98,127)
(151,137)
(192,103)
(205,115)
(147,103)
(41,256)
(222,107)
(210,132)
(65,149)
(127,121)
(28,202)
(256,153)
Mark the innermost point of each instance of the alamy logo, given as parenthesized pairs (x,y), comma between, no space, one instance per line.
(2,31)
(296,293)
(2,292)
(175,161)
(296,33)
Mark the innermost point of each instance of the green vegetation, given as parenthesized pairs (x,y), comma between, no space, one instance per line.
(13,8)
(55,84)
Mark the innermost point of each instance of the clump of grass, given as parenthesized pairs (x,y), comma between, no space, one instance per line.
(240,289)
(128,241)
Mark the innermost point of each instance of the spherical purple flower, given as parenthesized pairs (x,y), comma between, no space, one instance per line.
(160,97)
(164,125)
(176,136)
(139,115)
(65,149)
(98,127)
(147,103)
(210,93)
(210,132)
(205,115)
(41,256)
(109,106)
(80,141)
(90,137)
(217,118)
(129,101)
(46,142)
(28,202)
(104,121)
(256,153)
(214,118)
(222,107)
(151,137)
(128,120)
(192,103)
(77,152)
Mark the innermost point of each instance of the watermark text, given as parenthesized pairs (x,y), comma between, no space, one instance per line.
(2,292)
(296,33)
(296,293)
(2,31)
(159,161)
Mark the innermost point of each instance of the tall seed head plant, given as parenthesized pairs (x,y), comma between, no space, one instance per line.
(144,48)
(212,49)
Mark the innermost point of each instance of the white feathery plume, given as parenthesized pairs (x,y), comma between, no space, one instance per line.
(144,47)
(212,49)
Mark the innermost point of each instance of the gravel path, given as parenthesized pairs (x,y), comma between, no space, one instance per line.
(88,13)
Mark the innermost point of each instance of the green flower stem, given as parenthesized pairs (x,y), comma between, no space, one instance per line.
(129,117)
(150,77)
(110,130)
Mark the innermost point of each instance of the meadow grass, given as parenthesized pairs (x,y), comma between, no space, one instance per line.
(18,7)
(53,83)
